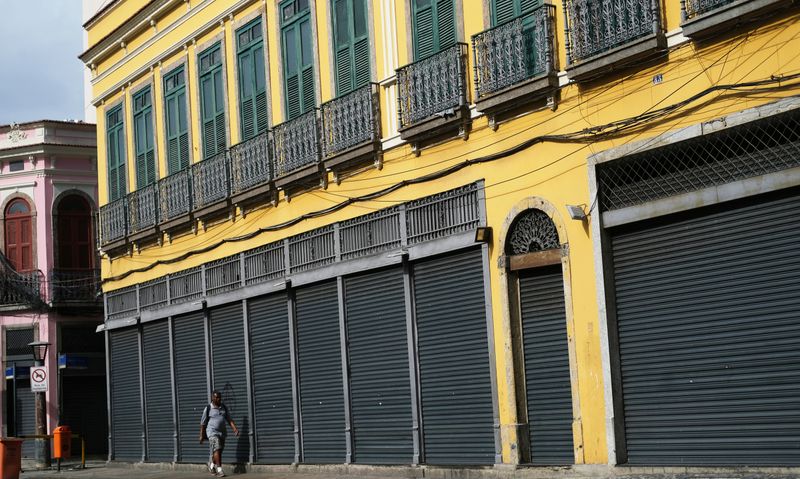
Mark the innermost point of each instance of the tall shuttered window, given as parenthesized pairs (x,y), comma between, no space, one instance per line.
(252,79)
(176,120)
(212,101)
(505,10)
(115,141)
(434,25)
(298,57)
(143,139)
(352,45)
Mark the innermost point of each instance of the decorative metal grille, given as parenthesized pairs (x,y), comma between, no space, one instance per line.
(74,285)
(312,249)
(174,195)
(210,180)
(143,208)
(17,341)
(444,214)
(186,285)
(369,234)
(514,51)
(595,26)
(296,143)
(250,163)
(693,8)
(21,288)
(350,120)
(113,222)
(753,149)
(153,294)
(223,275)
(121,303)
(532,231)
(264,263)
(433,86)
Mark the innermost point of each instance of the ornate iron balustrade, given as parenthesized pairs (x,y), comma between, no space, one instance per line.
(113,221)
(349,121)
(74,285)
(693,8)
(250,163)
(210,181)
(143,208)
(595,26)
(296,143)
(174,195)
(514,51)
(433,86)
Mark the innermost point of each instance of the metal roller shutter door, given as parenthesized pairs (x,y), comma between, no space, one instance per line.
(158,392)
(191,383)
(379,384)
(320,367)
(268,318)
(126,408)
(25,419)
(85,410)
(708,335)
(547,379)
(454,362)
(230,375)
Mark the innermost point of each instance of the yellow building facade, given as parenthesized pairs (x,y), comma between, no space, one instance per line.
(463,196)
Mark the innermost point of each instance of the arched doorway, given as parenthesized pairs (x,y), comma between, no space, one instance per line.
(74,234)
(534,253)
(19,235)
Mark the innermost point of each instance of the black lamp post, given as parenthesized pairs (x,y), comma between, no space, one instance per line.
(39,349)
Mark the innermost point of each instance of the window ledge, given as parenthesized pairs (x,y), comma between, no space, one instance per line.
(617,58)
(436,126)
(729,16)
(514,96)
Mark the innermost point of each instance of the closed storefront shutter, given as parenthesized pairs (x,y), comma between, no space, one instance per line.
(272,379)
(84,411)
(454,363)
(230,375)
(707,307)
(320,367)
(126,408)
(25,416)
(158,392)
(191,383)
(379,383)
(547,380)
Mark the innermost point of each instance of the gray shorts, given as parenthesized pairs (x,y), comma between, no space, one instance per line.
(216,443)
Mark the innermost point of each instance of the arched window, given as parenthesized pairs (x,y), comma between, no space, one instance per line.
(74,219)
(532,231)
(19,235)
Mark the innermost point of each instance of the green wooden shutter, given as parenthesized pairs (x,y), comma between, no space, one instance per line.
(176,120)
(298,57)
(252,80)
(212,102)
(115,162)
(351,41)
(446,23)
(503,11)
(144,140)
(434,26)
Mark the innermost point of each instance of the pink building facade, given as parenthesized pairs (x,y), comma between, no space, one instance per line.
(49,278)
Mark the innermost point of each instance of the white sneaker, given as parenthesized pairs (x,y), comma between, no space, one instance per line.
(211,468)
(220,473)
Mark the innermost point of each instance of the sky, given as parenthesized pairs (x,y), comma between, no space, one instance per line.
(40,74)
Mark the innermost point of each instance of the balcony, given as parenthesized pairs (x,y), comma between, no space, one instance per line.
(77,287)
(705,18)
(607,35)
(211,185)
(250,169)
(514,61)
(297,152)
(351,129)
(113,218)
(432,95)
(143,211)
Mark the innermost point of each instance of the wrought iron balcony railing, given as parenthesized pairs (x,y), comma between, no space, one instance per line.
(113,221)
(19,289)
(143,208)
(74,285)
(296,143)
(210,181)
(250,163)
(349,121)
(596,26)
(693,8)
(174,195)
(433,86)
(514,51)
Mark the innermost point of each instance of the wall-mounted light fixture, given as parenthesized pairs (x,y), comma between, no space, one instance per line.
(576,212)
(483,234)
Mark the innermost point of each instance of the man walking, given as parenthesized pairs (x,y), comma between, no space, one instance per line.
(213,424)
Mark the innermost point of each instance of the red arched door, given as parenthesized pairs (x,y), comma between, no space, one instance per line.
(74,234)
(19,235)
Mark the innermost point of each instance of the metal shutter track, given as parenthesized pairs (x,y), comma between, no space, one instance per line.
(454,360)
(547,380)
(707,307)
(158,394)
(379,383)
(230,375)
(191,384)
(272,379)
(320,367)
(126,408)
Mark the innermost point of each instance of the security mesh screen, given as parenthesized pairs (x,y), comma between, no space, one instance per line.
(17,341)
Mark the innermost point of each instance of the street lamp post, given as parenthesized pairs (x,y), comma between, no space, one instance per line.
(39,349)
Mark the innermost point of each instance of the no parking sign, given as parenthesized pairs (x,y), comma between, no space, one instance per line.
(38,379)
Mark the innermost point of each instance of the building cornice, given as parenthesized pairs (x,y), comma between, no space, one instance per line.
(48,149)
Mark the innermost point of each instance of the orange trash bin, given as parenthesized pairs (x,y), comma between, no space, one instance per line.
(10,457)
(62,442)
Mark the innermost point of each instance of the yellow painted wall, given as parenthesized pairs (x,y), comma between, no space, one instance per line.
(556,171)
